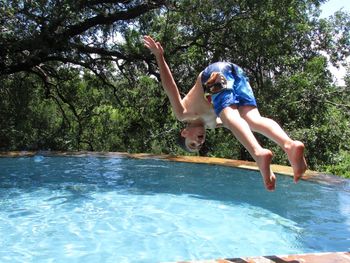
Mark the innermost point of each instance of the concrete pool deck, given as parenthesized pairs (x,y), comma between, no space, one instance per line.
(331,257)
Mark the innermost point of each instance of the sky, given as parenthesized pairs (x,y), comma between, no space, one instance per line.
(328,9)
(332,6)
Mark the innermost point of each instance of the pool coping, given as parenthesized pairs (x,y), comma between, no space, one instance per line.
(328,257)
(279,169)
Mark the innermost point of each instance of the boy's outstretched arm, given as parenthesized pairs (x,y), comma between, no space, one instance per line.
(166,76)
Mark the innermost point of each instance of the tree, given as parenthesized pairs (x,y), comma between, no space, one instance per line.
(36,33)
(80,67)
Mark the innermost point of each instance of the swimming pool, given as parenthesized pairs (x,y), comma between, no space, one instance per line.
(69,209)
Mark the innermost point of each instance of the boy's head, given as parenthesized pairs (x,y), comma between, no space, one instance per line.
(192,137)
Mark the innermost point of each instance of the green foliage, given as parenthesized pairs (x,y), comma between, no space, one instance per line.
(341,166)
(102,91)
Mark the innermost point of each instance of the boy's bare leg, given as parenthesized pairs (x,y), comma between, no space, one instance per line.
(272,130)
(240,129)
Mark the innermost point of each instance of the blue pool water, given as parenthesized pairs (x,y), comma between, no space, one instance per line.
(69,209)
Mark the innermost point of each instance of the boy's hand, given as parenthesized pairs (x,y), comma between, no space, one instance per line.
(155,47)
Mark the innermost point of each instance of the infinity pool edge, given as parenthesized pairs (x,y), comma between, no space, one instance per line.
(280,169)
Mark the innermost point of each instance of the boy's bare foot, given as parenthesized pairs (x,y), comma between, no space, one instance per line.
(264,158)
(295,152)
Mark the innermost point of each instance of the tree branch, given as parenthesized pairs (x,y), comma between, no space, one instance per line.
(53,34)
(102,19)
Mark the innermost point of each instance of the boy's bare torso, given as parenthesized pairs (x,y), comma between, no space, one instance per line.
(198,108)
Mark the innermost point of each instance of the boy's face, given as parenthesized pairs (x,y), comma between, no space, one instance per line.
(194,137)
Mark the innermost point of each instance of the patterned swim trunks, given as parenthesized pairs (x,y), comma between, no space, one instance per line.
(234,89)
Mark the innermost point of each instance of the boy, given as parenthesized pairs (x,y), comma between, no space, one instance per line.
(231,104)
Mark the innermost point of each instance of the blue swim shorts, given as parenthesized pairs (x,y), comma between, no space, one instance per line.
(237,90)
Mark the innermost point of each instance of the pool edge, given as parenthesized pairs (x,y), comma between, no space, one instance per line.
(327,257)
(280,169)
